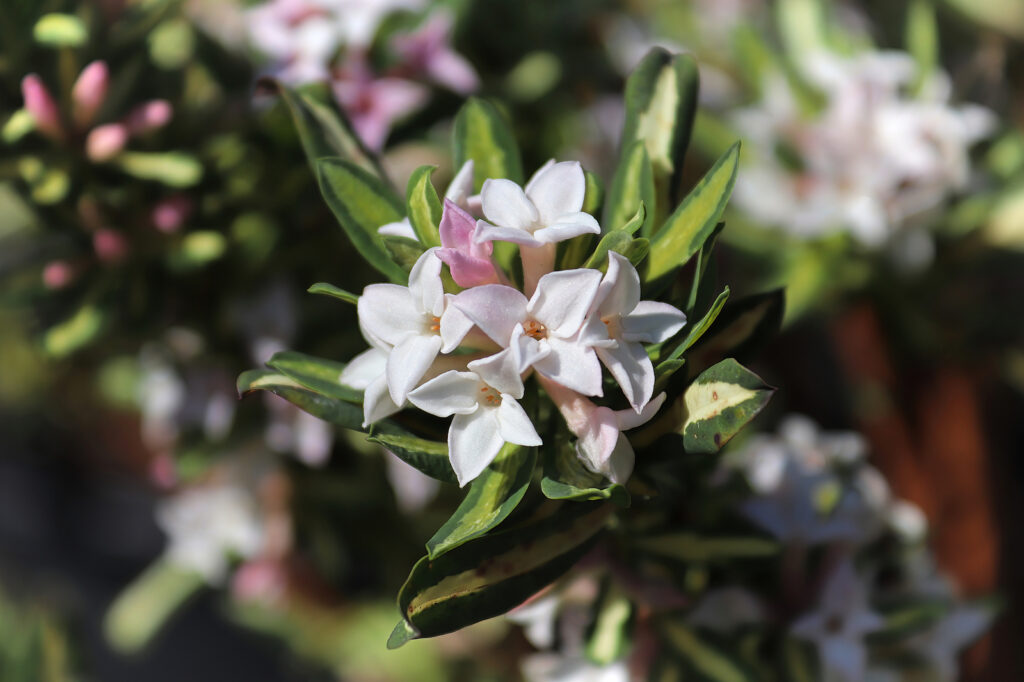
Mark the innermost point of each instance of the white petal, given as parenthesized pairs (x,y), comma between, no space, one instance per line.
(629,419)
(629,364)
(505,204)
(563,298)
(425,283)
(572,365)
(652,322)
(451,393)
(557,189)
(567,227)
(513,423)
(619,465)
(495,308)
(461,187)
(485,232)
(532,182)
(364,368)
(455,324)
(620,289)
(388,314)
(473,443)
(597,440)
(402,228)
(501,371)
(377,403)
(408,362)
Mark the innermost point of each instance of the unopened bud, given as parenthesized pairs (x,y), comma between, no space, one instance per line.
(106,141)
(88,93)
(40,104)
(149,116)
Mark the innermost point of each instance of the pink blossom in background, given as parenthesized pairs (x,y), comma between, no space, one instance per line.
(149,116)
(106,141)
(374,105)
(40,104)
(58,274)
(110,246)
(89,92)
(429,49)
(169,214)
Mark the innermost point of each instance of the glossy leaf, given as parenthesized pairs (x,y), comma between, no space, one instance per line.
(428,456)
(482,134)
(491,497)
(633,183)
(719,403)
(565,478)
(698,330)
(333,410)
(490,575)
(424,206)
(362,203)
(316,374)
(326,289)
(686,230)
(617,240)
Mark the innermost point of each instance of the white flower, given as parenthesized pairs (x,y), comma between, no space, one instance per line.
(459,192)
(619,321)
(208,526)
(413,323)
(940,645)
(487,414)
(556,668)
(839,626)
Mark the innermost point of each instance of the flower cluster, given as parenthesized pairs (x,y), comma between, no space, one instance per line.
(466,353)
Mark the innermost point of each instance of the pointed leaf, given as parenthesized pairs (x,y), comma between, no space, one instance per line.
(423,206)
(617,240)
(403,251)
(492,496)
(709,661)
(334,292)
(316,374)
(697,331)
(608,635)
(565,478)
(719,403)
(329,409)
(633,184)
(428,456)
(686,230)
(740,330)
(142,609)
(482,134)
(362,203)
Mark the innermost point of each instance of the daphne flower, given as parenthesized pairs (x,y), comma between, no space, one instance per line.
(429,49)
(547,211)
(414,323)
(487,414)
(545,326)
(459,192)
(469,261)
(88,92)
(41,106)
(300,35)
(375,104)
(618,322)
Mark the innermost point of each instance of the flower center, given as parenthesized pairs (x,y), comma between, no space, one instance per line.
(488,396)
(611,323)
(435,325)
(535,330)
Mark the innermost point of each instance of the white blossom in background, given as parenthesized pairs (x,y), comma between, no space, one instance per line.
(872,162)
(208,527)
(553,667)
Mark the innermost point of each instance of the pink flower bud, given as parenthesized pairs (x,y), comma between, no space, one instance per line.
(58,274)
(149,116)
(41,106)
(109,245)
(170,213)
(88,92)
(106,141)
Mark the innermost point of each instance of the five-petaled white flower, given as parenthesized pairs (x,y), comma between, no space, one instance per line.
(618,322)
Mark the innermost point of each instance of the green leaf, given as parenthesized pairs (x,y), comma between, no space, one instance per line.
(617,240)
(428,456)
(661,103)
(489,575)
(696,331)
(72,334)
(424,207)
(719,403)
(60,30)
(20,124)
(323,128)
(326,289)
(403,251)
(740,330)
(174,169)
(690,548)
(633,183)
(482,134)
(147,603)
(198,248)
(922,40)
(594,195)
(333,410)
(608,635)
(316,374)
(686,230)
(1005,16)
(708,660)
(362,203)
(565,478)
(492,496)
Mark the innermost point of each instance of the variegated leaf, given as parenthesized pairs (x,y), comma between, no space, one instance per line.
(719,403)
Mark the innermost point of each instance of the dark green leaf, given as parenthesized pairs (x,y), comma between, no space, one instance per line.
(403,251)
(719,403)
(741,330)
(333,410)
(482,134)
(335,292)
(565,478)
(316,374)
(428,456)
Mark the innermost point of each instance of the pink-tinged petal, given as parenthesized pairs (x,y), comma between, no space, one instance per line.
(563,298)
(461,187)
(557,189)
(495,308)
(41,106)
(619,465)
(528,350)
(408,362)
(469,262)
(88,92)
(506,205)
(474,204)
(485,232)
(473,442)
(457,227)
(451,70)
(58,274)
(567,227)
(401,228)
(620,289)
(652,322)
(501,371)
(632,369)
(374,106)
(110,246)
(377,403)
(149,116)
(628,419)
(388,314)
(594,333)
(105,142)
(572,365)
(455,324)
(364,369)
(170,213)
(514,425)
(467,271)
(425,283)
(537,262)
(597,439)
(450,393)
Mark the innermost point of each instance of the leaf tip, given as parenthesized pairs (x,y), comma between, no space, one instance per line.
(402,633)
